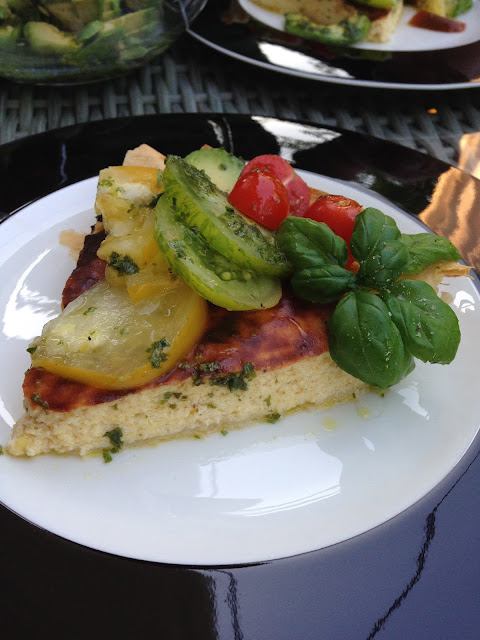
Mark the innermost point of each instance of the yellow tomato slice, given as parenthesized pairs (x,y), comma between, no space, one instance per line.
(133,250)
(154,279)
(104,340)
(119,216)
(139,184)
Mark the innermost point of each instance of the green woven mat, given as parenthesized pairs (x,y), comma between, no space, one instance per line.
(193,78)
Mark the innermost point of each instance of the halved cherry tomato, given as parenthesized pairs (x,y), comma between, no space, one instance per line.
(339,213)
(297,188)
(262,197)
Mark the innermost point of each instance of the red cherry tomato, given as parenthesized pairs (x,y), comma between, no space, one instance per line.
(297,189)
(339,213)
(262,197)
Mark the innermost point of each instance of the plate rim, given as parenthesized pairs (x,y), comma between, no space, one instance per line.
(242,117)
(195,31)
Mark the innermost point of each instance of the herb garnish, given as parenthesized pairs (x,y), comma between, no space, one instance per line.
(89,310)
(116,439)
(37,400)
(381,322)
(157,356)
(273,417)
(236,380)
(203,368)
(123,264)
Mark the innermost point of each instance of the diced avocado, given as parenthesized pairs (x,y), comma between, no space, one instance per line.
(352,29)
(90,30)
(221,167)
(199,204)
(460,7)
(208,272)
(104,41)
(45,38)
(135,22)
(24,9)
(445,8)
(5,11)
(9,34)
(109,9)
(100,43)
(72,16)
(377,4)
(136,5)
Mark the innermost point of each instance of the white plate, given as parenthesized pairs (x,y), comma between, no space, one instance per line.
(405,38)
(268,491)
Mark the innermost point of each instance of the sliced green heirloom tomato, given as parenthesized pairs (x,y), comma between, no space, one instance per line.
(199,204)
(104,340)
(222,167)
(262,197)
(207,271)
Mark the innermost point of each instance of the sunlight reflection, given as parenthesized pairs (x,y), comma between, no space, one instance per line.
(289,59)
(27,311)
(412,400)
(316,473)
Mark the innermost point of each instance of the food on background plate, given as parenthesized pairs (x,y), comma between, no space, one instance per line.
(338,22)
(186,316)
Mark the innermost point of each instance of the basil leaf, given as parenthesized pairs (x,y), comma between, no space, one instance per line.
(372,229)
(364,341)
(323,284)
(426,249)
(428,326)
(385,265)
(308,243)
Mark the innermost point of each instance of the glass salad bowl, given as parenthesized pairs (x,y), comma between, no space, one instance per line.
(76,41)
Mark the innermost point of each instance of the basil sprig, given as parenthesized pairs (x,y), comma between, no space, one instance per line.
(381,323)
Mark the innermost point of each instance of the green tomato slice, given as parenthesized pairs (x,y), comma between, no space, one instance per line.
(207,271)
(200,204)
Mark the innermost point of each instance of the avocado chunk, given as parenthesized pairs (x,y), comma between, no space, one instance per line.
(205,270)
(199,204)
(377,4)
(24,9)
(134,23)
(72,16)
(109,9)
(348,31)
(5,11)
(45,38)
(112,39)
(221,167)
(9,34)
(460,7)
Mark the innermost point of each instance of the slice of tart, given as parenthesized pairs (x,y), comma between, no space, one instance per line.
(226,368)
